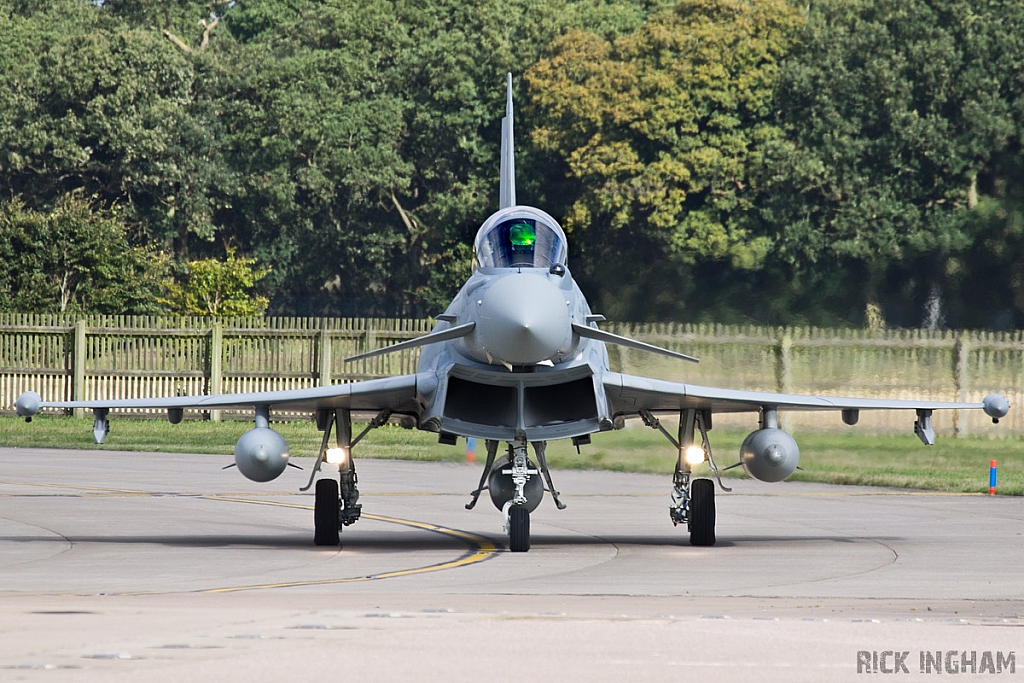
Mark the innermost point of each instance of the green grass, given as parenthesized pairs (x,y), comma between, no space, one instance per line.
(851,457)
(199,436)
(848,458)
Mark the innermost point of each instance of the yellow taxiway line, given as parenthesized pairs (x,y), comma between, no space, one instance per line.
(480,548)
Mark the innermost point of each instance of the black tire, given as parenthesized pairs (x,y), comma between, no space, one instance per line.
(326,514)
(702,512)
(518,529)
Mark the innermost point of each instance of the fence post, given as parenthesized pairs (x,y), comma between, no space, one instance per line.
(961,353)
(325,356)
(784,366)
(784,362)
(216,367)
(621,351)
(78,367)
(370,337)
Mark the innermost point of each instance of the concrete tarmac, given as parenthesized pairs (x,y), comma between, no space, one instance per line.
(164,567)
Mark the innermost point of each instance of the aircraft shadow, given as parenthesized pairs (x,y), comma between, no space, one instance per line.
(414,540)
(670,540)
(300,541)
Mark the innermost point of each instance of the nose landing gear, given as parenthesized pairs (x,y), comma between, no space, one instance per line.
(515,488)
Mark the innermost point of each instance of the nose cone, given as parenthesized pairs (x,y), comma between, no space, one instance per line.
(523,319)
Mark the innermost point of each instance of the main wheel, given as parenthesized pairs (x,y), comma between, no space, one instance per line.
(518,529)
(702,512)
(326,513)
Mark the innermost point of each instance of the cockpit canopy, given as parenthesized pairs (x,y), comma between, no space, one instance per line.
(520,236)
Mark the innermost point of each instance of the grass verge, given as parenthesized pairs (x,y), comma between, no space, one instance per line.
(960,465)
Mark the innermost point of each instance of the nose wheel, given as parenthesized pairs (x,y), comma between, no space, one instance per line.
(518,529)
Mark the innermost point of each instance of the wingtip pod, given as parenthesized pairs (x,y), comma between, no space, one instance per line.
(27,405)
(995,406)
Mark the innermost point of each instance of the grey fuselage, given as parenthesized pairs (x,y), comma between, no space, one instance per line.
(522,371)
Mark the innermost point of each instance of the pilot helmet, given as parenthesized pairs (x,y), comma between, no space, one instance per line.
(522,236)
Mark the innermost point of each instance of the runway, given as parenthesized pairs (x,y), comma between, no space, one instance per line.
(116,566)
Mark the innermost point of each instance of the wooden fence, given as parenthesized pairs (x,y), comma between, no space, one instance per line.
(67,357)
(96,357)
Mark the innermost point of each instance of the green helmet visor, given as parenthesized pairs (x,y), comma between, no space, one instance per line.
(522,235)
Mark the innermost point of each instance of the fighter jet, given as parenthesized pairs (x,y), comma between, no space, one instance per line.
(517,360)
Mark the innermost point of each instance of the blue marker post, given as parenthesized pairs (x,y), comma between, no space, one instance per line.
(992,478)
(470,446)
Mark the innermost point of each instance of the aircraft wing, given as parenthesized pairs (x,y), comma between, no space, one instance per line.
(629,394)
(397,394)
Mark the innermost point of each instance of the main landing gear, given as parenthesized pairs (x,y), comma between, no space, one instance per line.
(326,513)
(515,488)
(693,500)
(336,503)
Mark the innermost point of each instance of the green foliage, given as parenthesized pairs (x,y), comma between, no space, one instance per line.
(365,133)
(76,259)
(990,273)
(93,104)
(313,129)
(658,126)
(218,288)
(892,114)
(727,159)
(659,129)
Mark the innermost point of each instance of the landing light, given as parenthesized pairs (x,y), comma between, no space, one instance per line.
(337,456)
(693,455)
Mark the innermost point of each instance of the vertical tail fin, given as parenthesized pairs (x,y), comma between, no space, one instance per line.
(507,190)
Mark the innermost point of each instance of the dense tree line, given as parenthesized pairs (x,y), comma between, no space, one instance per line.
(838,162)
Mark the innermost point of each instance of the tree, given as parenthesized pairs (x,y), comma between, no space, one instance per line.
(89,103)
(74,258)
(366,133)
(989,275)
(218,288)
(714,159)
(657,132)
(350,146)
(894,117)
(311,126)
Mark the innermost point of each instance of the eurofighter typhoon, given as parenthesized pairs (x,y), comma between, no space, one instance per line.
(517,360)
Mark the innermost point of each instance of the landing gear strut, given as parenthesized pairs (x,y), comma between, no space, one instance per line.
(336,503)
(513,488)
(517,515)
(492,452)
(693,500)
